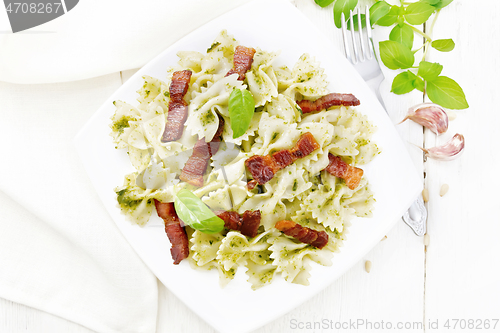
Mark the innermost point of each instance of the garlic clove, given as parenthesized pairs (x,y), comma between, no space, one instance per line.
(429,115)
(449,151)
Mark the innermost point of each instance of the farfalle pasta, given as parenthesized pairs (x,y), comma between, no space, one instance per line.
(302,192)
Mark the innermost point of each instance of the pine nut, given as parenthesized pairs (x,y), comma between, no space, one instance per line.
(383,238)
(451,115)
(444,189)
(368,266)
(427,239)
(425,195)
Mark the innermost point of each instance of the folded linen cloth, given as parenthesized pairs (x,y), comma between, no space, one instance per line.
(60,252)
(99,37)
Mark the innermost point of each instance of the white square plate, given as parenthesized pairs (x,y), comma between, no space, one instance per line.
(270,25)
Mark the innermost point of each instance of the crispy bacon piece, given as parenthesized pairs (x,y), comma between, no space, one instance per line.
(232,220)
(351,175)
(323,103)
(248,223)
(242,62)
(263,168)
(175,232)
(177,107)
(303,234)
(306,145)
(251,223)
(196,165)
(281,159)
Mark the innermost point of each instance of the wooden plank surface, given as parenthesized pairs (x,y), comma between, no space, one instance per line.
(458,276)
(463,276)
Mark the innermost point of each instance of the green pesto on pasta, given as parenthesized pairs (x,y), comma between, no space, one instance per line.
(302,192)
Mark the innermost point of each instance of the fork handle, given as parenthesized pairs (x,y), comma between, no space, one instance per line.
(374,85)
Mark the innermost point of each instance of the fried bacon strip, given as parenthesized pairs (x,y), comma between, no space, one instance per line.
(177,107)
(251,223)
(303,234)
(242,62)
(196,165)
(323,103)
(175,232)
(248,223)
(351,175)
(232,220)
(263,168)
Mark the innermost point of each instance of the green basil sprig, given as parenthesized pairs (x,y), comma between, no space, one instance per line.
(193,212)
(418,13)
(396,53)
(241,109)
(378,10)
(343,6)
(446,92)
(323,3)
(402,34)
(443,45)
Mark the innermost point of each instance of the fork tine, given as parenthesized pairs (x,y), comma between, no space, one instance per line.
(354,46)
(344,38)
(360,31)
(369,54)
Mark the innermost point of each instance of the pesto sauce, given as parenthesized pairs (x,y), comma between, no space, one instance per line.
(298,109)
(213,46)
(120,125)
(207,118)
(126,202)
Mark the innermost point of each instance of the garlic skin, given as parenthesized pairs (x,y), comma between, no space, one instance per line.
(429,115)
(449,151)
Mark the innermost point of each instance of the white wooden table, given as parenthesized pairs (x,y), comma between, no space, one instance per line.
(455,277)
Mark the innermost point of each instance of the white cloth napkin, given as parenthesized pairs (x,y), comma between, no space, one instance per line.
(59,250)
(98,37)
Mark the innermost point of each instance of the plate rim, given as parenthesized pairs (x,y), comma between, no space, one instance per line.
(80,138)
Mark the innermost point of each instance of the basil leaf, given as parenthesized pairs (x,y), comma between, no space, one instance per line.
(419,84)
(403,83)
(402,34)
(343,6)
(395,55)
(438,3)
(429,70)
(443,45)
(378,10)
(418,12)
(390,18)
(443,3)
(193,212)
(323,3)
(432,2)
(241,109)
(447,93)
(355,22)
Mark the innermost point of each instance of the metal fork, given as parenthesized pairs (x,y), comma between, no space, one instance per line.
(365,62)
